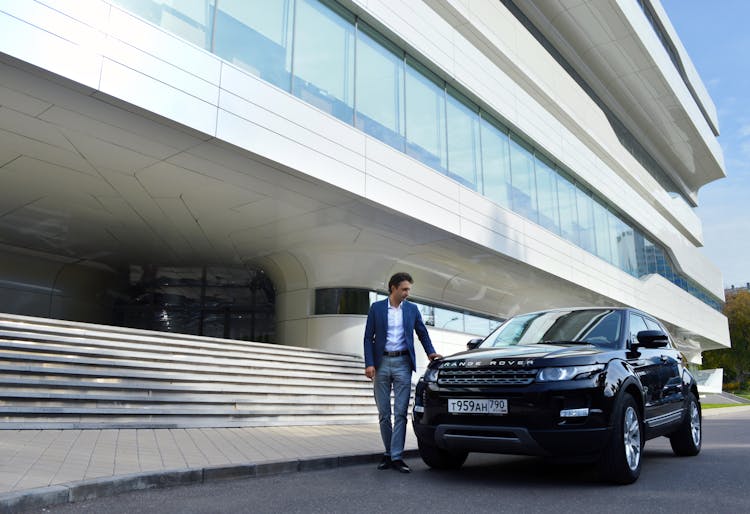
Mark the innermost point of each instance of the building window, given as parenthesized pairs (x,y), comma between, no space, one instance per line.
(379,88)
(546,187)
(463,140)
(324,59)
(256,36)
(425,117)
(566,202)
(340,300)
(601,232)
(188,19)
(523,179)
(495,163)
(205,301)
(344,300)
(585,226)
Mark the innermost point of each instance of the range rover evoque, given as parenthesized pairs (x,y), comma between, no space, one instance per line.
(582,383)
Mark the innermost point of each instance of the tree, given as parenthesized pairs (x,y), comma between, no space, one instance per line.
(734,360)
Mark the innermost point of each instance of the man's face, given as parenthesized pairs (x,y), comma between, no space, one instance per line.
(401,291)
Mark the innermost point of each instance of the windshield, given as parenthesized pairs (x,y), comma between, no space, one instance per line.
(600,327)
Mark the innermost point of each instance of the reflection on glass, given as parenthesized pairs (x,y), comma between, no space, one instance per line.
(476,324)
(428,314)
(625,246)
(601,231)
(546,187)
(324,59)
(637,324)
(600,327)
(463,140)
(342,300)
(649,251)
(425,117)
(188,19)
(566,197)
(495,164)
(214,302)
(585,227)
(380,88)
(256,35)
(449,319)
(523,190)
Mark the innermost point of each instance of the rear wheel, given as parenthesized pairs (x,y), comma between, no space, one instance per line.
(686,440)
(440,459)
(621,459)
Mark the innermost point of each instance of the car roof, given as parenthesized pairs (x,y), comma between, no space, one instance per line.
(584,308)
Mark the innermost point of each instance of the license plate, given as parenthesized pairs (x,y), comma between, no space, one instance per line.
(487,406)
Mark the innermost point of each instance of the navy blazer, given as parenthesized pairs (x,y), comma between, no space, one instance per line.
(376,332)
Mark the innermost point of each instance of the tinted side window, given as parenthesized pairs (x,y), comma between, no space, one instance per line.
(637,323)
(653,325)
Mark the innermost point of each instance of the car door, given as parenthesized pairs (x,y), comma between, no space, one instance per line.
(647,363)
(671,372)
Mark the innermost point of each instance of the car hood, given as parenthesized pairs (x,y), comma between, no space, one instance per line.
(527,356)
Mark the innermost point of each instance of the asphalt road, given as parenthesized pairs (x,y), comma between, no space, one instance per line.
(715,481)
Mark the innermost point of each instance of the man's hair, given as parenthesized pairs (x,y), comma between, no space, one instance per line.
(397,278)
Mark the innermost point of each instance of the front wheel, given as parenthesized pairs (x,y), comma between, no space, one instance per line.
(621,459)
(440,459)
(686,440)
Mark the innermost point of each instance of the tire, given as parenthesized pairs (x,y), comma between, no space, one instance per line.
(438,458)
(620,461)
(686,440)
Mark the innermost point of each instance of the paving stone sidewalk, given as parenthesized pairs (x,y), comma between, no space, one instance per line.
(39,467)
(45,467)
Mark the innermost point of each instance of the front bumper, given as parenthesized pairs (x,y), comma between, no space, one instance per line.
(532,426)
(514,440)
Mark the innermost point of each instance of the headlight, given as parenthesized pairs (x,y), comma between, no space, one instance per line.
(430,375)
(567,373)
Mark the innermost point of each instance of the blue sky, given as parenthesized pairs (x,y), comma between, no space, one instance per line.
(716,36)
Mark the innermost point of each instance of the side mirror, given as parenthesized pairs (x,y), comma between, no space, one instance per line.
(652,339)
(474,343)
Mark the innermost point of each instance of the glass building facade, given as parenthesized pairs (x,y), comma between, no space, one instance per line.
(229,303)
(325,55)
(347,300)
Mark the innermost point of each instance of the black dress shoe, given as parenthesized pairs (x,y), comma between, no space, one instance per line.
(400,466)
(385,462)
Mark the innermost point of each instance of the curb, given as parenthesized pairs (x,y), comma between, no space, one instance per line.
(718,411)
(37,498)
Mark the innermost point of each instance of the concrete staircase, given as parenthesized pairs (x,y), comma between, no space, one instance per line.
(61,374)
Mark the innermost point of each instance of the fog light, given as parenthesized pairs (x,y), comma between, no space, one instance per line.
(574,413)
(418,408)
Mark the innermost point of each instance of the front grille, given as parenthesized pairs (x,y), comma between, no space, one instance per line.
(485,376)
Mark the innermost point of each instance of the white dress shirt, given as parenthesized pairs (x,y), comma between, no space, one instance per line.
(395,340)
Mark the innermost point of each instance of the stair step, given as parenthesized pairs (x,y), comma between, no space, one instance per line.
(166,410)
(38,342)
(84,331)
(118,373)
(119,422)
(61,374)
(46,396)
(60,361)
(185,388)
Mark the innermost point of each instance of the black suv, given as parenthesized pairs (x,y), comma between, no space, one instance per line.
(591,383)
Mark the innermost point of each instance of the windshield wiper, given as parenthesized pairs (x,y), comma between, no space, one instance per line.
(566,342)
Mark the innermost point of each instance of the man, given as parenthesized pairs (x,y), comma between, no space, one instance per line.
(390,361)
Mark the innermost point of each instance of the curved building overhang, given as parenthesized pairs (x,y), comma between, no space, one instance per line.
(126,156)
(615,49)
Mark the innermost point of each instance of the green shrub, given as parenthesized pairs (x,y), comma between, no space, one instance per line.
(732,386)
